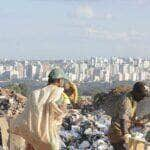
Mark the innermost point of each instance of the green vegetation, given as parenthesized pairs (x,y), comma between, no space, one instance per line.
(14,87)
(19,88)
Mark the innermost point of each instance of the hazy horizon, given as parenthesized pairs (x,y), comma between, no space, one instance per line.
(57,29)
(68,58)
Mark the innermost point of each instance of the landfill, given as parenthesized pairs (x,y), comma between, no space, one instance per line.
(11,103)
(85,128)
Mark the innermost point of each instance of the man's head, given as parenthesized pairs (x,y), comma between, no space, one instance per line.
(140,91)
(56,77)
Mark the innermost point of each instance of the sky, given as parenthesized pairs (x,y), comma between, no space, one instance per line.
(43,29)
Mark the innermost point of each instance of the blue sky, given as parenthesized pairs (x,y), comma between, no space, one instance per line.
(41,29)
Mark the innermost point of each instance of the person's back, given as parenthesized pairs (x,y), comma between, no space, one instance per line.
(40,122)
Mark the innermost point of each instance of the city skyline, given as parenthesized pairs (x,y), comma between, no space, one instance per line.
(87,70)
(36,29)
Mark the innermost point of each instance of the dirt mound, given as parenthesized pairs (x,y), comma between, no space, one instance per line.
(107,101)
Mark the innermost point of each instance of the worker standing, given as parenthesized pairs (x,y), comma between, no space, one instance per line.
(41,119)
(124,116)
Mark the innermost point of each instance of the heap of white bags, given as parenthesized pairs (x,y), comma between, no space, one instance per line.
(85,131)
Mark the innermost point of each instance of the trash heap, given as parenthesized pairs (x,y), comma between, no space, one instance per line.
(141,133)
(83,129)
(11,103)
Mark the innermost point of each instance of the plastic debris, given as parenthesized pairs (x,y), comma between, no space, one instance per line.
(85,128)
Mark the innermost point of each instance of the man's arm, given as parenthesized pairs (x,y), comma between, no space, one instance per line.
(124,115)
(124,126)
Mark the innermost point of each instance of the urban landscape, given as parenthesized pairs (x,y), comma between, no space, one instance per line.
(78,70)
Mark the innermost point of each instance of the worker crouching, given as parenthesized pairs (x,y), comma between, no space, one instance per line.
(124,116)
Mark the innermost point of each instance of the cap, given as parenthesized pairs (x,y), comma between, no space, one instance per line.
(57,73)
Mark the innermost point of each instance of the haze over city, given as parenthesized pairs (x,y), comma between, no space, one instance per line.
(46,29)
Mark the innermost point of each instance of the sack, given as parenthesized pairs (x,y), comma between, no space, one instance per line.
(42,119)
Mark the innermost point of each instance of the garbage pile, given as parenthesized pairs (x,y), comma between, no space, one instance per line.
(11,103)
(141,133)
(83,129)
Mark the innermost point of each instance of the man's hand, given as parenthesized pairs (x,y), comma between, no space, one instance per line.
(126,138)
